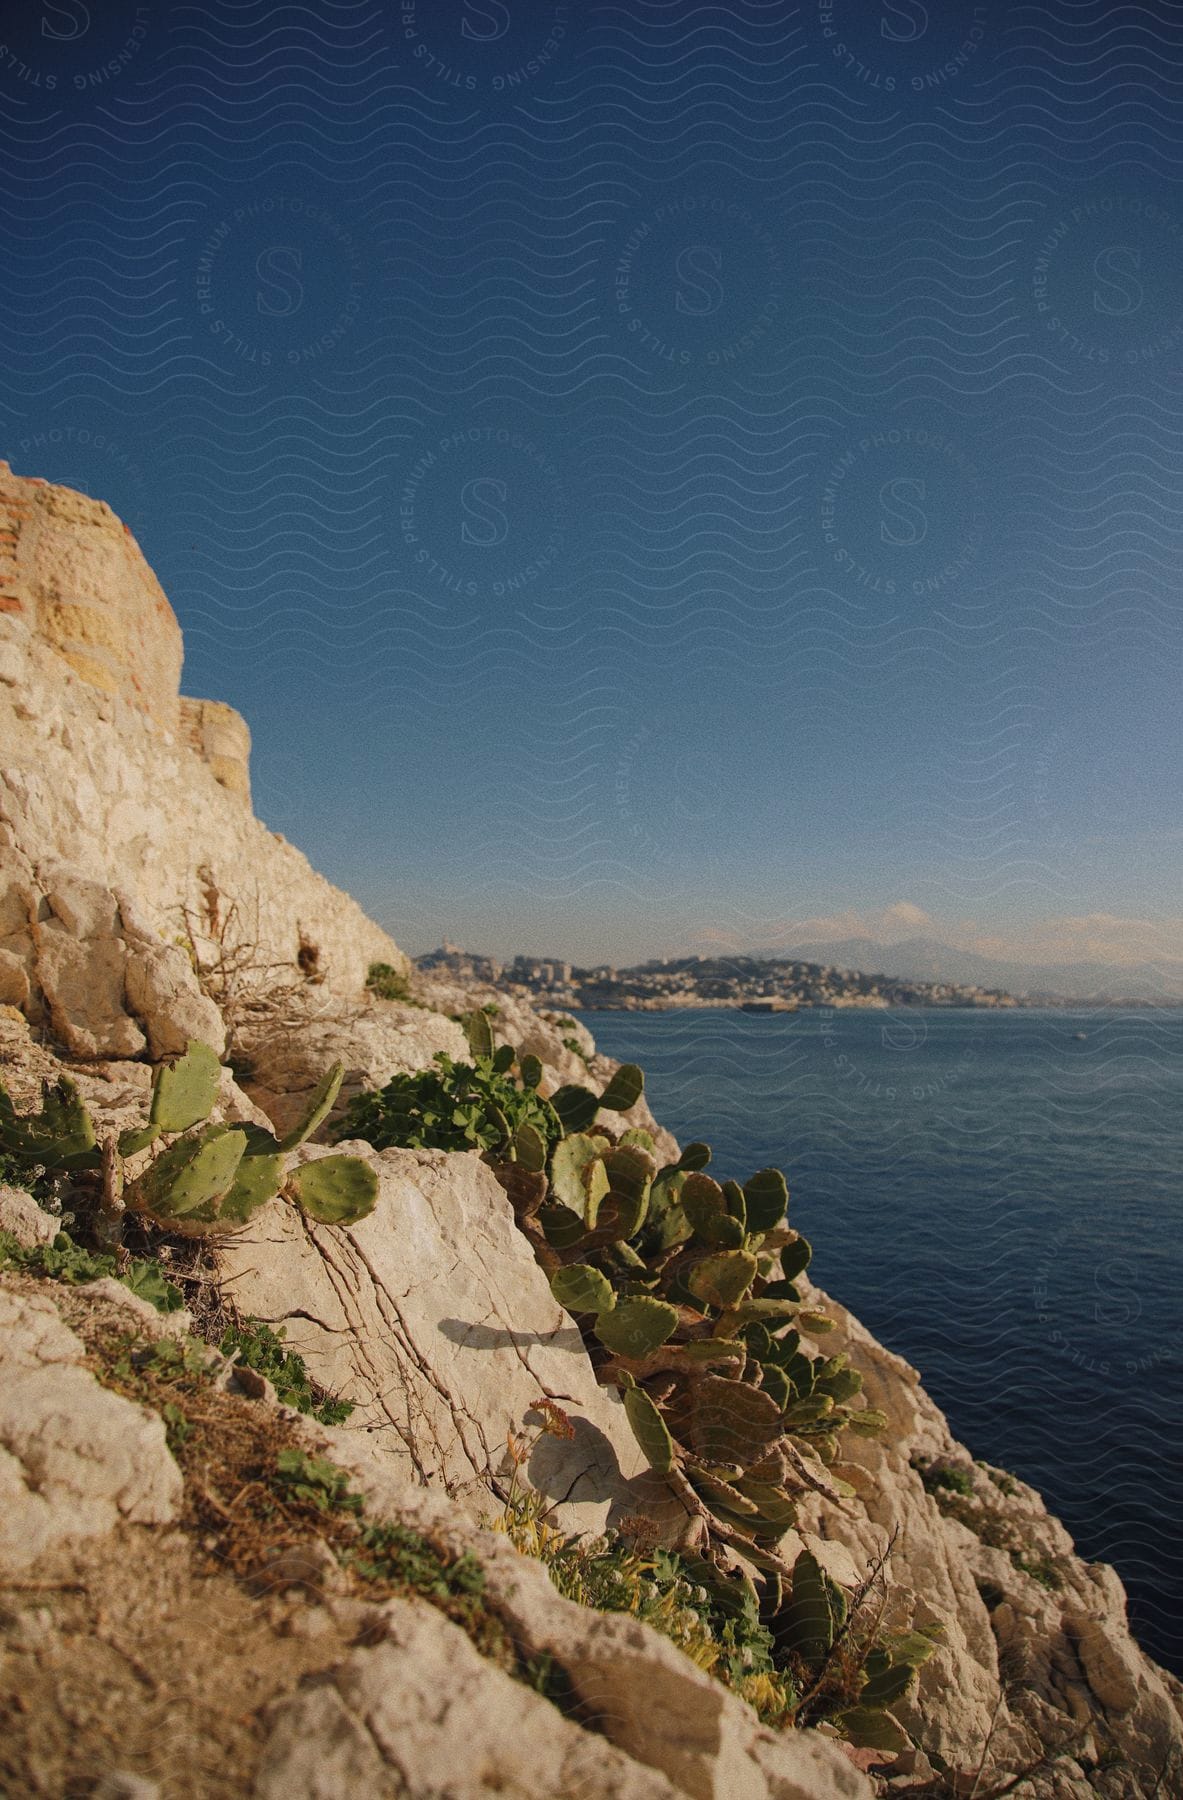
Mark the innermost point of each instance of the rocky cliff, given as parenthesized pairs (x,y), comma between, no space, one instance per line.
(113,778)
(204,1592)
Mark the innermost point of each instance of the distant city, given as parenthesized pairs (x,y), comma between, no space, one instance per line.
(753,983)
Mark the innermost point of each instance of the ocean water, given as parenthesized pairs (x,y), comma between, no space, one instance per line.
(999,1197)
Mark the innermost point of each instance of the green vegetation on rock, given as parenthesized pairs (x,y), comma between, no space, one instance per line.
(256,1346)
(64,1260)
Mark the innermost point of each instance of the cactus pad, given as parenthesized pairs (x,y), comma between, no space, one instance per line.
(60,1136)
(767,1195)
(578,1176)
(530,1147)
(635,1328)
(191,1174)
(575,1106)
(624,1089)
(724,1279)
(185,1088)
(649,1429)
(319,1107)
(581,1288)
(479,1032)
(257,1178)
(336,1190)
(732,1422)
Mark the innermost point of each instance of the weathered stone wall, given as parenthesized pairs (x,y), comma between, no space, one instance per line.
(109,777)
(222,738)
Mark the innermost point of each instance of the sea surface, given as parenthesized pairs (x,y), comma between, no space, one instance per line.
(999,1197)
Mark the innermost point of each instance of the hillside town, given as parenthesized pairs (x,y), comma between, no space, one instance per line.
(752,983)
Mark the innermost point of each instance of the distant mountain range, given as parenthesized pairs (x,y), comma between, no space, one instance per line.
(926,959)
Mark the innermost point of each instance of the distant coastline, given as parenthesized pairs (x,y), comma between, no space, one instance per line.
(757,985)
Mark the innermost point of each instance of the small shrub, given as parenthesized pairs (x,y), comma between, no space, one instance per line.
(315,1481)
(388,983)
(1001,1478)
(947,1476)
(714,1622)
(1040,1568)
(455,1106)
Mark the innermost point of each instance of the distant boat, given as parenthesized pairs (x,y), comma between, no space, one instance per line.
(1080,1036)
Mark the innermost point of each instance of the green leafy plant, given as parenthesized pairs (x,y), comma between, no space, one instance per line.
(64,1260)
(1040,1568)
(491,1104)
(315,1481)
(201,1178)
(393,1552)
(710,1614)
(455,1106)
(258,1347)
(937,1475)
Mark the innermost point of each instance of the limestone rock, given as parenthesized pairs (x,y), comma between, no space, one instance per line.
(110,989)
(82,981)
(75,1459)
(432,1316)
(162,992)
(14,979)
(1058,1648)
(423,1714)
(23,1219)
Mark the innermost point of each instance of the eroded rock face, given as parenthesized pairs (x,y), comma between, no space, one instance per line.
(107,772)
(75,1459)
(109,985)
(432,1316)
(422,1713)
(641,1693)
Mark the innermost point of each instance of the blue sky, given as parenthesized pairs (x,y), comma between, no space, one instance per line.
(651,476)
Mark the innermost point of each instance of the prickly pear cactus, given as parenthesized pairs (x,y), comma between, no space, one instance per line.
(208,1178)
(190,1179)
(60,1138)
